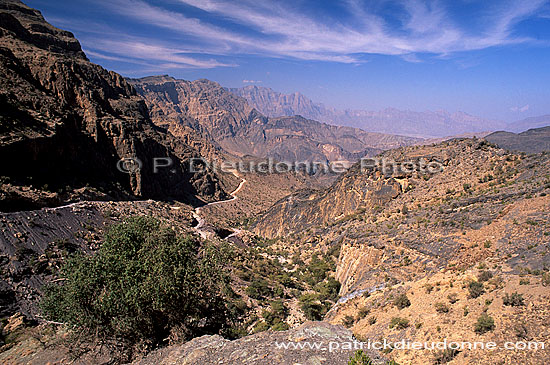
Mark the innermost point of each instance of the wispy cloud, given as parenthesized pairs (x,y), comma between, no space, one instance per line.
(252,82)
(277,29)
(520,109)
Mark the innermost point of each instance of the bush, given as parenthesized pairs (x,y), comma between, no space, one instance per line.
(402,301)
(328,290)
(441,308)
(514,300)
(360,358)
(485,323)
(476,289)
(485,276)
(445,356)
(399,323)
(348,321)
(312,307)
(258,288)
(144,283)
(363,312)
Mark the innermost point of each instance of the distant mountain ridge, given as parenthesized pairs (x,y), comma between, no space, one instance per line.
(427,124)
(229,122)
(531,141)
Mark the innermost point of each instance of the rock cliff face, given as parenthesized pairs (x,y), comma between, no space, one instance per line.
(67,122)
(227,121)
(276,104)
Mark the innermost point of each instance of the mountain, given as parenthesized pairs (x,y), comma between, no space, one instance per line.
(276,104)
(229,122)
(65,123)
(393,121)
(528,123)
(531,141)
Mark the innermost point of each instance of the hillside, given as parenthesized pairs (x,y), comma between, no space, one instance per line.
(67,122)
(531,141)
(481,218)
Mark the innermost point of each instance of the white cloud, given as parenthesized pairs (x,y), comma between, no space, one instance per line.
(520,109)
(252,82)
(278,30)
(130,50)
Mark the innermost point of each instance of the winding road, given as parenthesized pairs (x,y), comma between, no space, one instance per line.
(201,221)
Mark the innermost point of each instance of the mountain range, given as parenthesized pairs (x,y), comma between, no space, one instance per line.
(439,238)
(428,124)
(230,123)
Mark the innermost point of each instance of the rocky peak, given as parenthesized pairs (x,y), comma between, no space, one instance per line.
(70,121)
(20,22)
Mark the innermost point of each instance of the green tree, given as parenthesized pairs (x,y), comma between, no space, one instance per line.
(144,282)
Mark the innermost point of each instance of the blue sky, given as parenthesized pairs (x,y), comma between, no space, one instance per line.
(487,58)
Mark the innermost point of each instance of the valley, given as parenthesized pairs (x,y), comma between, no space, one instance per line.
(436,229)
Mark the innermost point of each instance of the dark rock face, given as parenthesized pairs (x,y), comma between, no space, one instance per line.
(265,348)
(531,141)
(67,122)
(226,120)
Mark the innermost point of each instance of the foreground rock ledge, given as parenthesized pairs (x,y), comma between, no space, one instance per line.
(262,348)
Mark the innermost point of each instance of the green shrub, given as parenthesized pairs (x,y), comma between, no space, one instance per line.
(258,288)
(312,307)
(441,307)
(485,276)
(476,289)
(360,358)
(348,321)
(363,312)
(485,323)
(402,301)
(144,282)
(445,356)
(399,323)
(514,300)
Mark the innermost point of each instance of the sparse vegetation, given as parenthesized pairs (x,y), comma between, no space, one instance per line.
(402,301)
(515,299)
(441,307)
(445,356)
(485,323)
(399,323)
(475,289)
(360,358)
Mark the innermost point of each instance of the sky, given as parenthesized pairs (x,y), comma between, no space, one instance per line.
(489,58)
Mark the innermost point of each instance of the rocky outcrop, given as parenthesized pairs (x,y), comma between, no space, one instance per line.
(295,346)
(227,121)
(66,122)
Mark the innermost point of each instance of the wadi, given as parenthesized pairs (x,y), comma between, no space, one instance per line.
(161,203)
